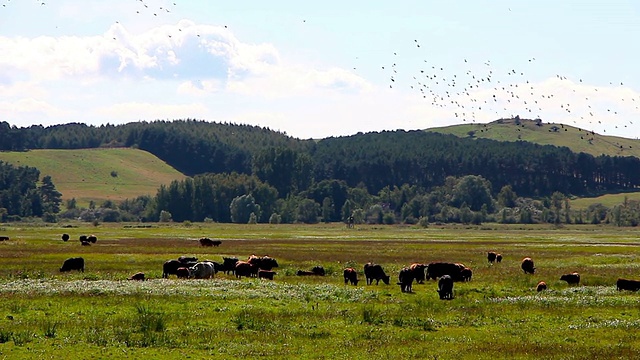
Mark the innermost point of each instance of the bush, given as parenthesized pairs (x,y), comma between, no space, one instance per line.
(424,222)
(389,218)
(165,216)
(253,219)
(275,219)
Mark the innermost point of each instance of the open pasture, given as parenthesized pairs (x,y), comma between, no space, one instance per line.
(498,314)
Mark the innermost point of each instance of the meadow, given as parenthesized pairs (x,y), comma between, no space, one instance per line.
(100,314)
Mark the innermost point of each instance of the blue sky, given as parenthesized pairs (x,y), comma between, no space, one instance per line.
(315,69)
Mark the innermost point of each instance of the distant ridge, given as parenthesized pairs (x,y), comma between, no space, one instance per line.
(536,131)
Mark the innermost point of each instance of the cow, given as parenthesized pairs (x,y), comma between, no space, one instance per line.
(246,269)
(92,239)
(405,280)
(305,273)
(445,287)
(499,258)
(208,242)
(4,238)
(625,284)
(439,269)
(265,263)
(491,256)
(65,237)
(466,274)
(137,276)
(315,271)
(83,238)
(541,286)
(187,259)
(76,263)
(202,270)
(418,272)
(571,279)
(527,266)
(171,267)
(85,243)
(266,274)
(183,272)
(217,267)
(229,264)
(350,276)
(375,272)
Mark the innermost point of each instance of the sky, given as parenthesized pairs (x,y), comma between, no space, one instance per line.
(315,69)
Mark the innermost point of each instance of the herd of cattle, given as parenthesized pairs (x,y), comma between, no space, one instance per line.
(186,267)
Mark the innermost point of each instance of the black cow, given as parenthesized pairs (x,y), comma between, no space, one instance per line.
(466,274)
(375,272)
(418,272)
(315,271)
(405,280)
(439,269)
(4,238)
(266,274)
(92,239)
(246,269)
(83,238)
(137,276)
(73,264)
(265,263)
(625,284)
(571,279)
(499,258)
(208,242)
(183,272)
(229,264)
(445,287)
(527,266)
(171,267)
(542,286)
(491,256)
(65,237)
(350,276)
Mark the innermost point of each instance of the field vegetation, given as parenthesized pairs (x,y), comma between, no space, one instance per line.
(100,314)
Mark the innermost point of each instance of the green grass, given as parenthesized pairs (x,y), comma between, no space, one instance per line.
(608,200)
(99,314)
(85,174)
(572,137)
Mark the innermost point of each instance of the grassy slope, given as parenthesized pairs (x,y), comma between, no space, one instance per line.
(86,174)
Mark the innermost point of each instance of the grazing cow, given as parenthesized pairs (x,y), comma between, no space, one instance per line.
(76,263)
(541,286)
(527,266)
(265,263)
(65,237)
(171,267)
(466,274)
(405,280)
(83,238)
(85,243)
(318,270)
(445,287)
(499,258)
(92,239)
(350,276)
(183,273)
(491,256)
(439,269)
(266,274)
(571,279)
(137,276)
(202,270)
(375,272)
(4,238)
(208,242)
(229,264)
(625,284)
(418,272)
(246,269)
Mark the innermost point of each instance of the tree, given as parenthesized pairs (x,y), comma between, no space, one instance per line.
(557,198)
(473,190)
(507,197)
(327,210)
(242,207)
(308,211)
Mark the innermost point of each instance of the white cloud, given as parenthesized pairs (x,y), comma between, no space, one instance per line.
(131,111)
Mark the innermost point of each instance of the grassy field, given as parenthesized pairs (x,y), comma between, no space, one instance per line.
(99,314)
(608,200)
(85,174)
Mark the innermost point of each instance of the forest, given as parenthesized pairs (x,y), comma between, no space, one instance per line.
(242,173)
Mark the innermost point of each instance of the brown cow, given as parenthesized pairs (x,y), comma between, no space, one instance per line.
(266,274)
(439,269)
(246,269)
(137,276)
(541,286)
(350,276)
(571,279)
(491,256)
(183,273)
(527,266)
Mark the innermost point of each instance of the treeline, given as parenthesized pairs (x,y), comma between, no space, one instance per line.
(23,195)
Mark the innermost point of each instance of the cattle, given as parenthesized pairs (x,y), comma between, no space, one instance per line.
(305,273)
(405,280)
(315,271)
(499,258)
(265,263)
(246,269)
(217,267)
(491,256)
(183,272)
(83,238)
(229,264)
(625,284)
(65,237)
(439,269)
(466,274)
(202,270)
(375,272)
(171,267)
(4,238)
(266,274)
(208,242)
(541,286)
(85,243)
(571,279)
(350,276)
(187,259)
(445,287)
(527,266)
(418,272)
(76,263)
(137,276)
(92,239)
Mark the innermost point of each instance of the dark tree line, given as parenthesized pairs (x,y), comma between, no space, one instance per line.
(21,196)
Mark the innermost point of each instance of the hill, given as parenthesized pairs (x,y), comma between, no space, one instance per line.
(98,174)
(576,139)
